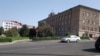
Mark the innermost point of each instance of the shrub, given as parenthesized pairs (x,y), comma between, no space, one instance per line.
(5,39)
(84,37)
(10,39)
(12,32)
(18,38)
(45,38)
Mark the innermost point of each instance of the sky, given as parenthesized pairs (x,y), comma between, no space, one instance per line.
(31,11)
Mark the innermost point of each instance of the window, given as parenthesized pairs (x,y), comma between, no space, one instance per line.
(95,16)
(87,14)
(62,23)
(5,28)
(83,13)
(88,21)
(91,15)
(6,22)
(87,28)
(94,23)
(91,29)
(69,16)
(95,29)
(83,28)
(84,21)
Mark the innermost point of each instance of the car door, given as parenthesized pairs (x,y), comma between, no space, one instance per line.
(73,38)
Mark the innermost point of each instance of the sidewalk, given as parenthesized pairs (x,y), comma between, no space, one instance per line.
(7,43)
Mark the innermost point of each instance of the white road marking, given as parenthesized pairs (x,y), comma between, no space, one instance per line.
(24,49)
(96,55)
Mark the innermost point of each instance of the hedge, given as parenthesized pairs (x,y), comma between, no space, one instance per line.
(84,37)
(10,39)
(5,39)
(45,38)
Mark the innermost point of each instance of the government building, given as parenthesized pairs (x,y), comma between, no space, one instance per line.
(78,20)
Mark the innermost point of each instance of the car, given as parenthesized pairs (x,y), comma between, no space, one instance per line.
(97,44)
(70,38)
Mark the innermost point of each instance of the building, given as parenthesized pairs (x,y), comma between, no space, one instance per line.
(30,26)
(7,24)
(78,20)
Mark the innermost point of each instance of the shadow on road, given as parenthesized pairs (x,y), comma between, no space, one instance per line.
(91,50)
(37,54)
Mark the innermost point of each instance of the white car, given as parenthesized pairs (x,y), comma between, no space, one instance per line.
(70,38)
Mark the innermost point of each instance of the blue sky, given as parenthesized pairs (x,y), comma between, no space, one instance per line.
(31,11)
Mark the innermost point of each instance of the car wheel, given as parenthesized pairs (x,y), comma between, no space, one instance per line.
(97,47)
(68,41)
(77,40)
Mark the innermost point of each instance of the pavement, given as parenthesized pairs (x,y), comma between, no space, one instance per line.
(8,43)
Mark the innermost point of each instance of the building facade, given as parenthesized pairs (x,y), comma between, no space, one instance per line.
(7,24)
(78,20)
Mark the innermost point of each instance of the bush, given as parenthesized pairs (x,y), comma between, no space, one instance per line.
(5,39)
(84,37)
(11,32)
(10,39)
(45,38)
(18,38)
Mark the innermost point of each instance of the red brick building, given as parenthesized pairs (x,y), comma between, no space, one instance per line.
(78,20)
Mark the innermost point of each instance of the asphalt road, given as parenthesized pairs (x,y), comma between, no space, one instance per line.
(49,48)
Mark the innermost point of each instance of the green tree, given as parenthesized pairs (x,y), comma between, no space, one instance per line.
(45,30)
(24,31)
(1,30)
(13,32)
(67,34)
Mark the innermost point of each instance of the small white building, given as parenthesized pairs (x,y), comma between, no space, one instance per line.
(7,24)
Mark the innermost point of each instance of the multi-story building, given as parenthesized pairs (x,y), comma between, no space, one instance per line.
(7,24)
(78,20)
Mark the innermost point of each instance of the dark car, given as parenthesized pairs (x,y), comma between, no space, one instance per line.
(97,44)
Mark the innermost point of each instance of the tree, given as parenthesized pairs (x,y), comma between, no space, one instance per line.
(67,34)
(12,32)
(24,31)
(45,30)
(15,31)
(32,33)
(1,30)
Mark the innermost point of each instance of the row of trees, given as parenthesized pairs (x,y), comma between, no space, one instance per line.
(43,30)
(14,32)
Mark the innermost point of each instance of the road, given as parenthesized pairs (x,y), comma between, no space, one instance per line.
(49,48)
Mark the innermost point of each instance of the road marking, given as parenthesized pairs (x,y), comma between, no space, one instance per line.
(34,48)
(75,45)
(24,49)
(57,46)
(96,55)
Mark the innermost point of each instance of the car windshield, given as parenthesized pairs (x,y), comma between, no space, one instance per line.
(69,36)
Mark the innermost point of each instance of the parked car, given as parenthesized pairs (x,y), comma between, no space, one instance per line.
(97,44)
(70,38)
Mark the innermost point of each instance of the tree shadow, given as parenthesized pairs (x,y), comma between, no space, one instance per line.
(92,50)
(37,54)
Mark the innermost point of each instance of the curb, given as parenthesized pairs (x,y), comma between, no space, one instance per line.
(8,43)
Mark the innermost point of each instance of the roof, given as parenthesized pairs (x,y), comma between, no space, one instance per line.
(88,8)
